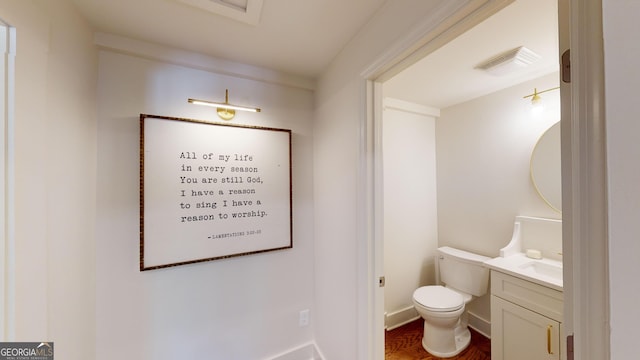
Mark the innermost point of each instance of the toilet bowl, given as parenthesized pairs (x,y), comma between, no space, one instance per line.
(443,307)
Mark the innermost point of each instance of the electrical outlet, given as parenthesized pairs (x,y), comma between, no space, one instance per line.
(304,318)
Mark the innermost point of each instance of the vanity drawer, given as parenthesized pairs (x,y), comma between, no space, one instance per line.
(538,298)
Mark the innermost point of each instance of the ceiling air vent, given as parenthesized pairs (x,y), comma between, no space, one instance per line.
(246,11)
(509,61)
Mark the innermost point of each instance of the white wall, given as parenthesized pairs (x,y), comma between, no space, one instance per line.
(410,217)
(341,248)
(484,149)
(238,308)
(622,81)
(55,174)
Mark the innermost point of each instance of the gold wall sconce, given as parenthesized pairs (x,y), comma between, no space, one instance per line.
(225,110)
(536,100)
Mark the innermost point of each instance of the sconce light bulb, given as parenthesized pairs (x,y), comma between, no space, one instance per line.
(537,105)
(536,100)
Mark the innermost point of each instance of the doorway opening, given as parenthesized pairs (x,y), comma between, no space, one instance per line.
(583,169)
(456,147)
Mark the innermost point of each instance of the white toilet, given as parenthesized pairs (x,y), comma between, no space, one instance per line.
(443,307)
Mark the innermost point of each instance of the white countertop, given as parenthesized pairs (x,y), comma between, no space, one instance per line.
(545,272)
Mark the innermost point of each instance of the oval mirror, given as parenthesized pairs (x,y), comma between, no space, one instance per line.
(545,167)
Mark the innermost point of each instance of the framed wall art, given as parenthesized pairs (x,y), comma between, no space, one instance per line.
(210,191)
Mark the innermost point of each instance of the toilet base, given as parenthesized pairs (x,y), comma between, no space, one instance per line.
(462,340)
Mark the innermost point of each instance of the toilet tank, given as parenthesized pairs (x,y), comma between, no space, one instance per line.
(463,270)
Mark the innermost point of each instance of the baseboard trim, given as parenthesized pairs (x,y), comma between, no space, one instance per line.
(400,317)
(480,325)
(308,351)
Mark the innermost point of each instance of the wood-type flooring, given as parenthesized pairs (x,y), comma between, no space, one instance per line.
(405,343)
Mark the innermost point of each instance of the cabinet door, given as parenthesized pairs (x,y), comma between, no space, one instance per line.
(521,334)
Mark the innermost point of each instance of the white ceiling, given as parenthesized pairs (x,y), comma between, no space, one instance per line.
(292,36)
(447,76)
(303,37)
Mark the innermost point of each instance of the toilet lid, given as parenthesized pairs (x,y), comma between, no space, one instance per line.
(438,298)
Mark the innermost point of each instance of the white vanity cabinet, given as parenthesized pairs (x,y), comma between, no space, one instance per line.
(526,319)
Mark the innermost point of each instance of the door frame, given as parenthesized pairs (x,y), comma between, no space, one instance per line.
(585,240)
(7,269)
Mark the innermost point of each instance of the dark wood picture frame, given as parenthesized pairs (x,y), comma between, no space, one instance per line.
(211,191)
